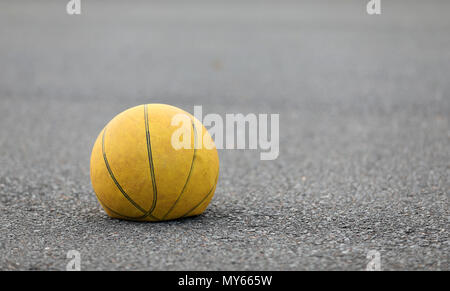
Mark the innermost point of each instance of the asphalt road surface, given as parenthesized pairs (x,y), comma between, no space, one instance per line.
(364,104)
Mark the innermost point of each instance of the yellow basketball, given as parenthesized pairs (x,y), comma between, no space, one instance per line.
(154,162)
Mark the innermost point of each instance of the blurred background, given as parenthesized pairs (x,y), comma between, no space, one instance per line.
(364,133)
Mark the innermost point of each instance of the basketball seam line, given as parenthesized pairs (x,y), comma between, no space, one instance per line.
(203,200)
(118,185)
(150,160)
(117,213)
(189,175)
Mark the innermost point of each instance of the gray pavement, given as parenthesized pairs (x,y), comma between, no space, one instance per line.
(364,104)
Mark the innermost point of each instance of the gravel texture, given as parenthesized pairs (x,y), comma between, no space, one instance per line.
(364,104)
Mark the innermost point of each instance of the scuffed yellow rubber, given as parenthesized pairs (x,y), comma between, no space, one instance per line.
(137,174)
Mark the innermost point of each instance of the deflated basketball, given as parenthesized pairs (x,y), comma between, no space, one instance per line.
(154,162)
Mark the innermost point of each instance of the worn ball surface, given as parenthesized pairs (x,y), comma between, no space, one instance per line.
(138,174)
